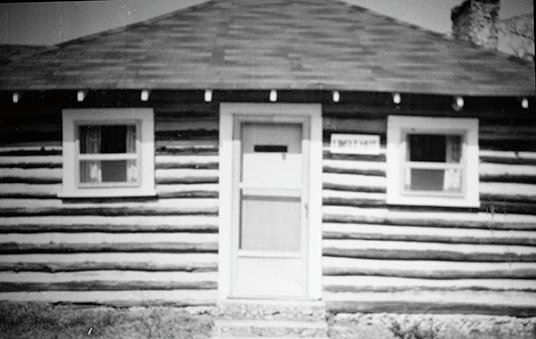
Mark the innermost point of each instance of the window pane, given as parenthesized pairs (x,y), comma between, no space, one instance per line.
(96,139)
(270,223)
(440,180)
(434,148)
(99,171)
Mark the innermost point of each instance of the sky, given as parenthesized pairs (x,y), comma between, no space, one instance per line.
(48,23)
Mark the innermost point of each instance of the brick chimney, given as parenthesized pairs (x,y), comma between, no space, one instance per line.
(476,21)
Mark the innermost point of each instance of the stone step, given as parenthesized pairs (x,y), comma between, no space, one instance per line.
(270,329)
(272,310)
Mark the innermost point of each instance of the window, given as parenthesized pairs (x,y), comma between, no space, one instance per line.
(432,161)
(108,152)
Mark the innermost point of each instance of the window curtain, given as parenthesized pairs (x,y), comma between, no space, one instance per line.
(452,181)
(90,143)
(91,139)
(132,168)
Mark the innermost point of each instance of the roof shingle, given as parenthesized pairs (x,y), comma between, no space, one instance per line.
(273,44)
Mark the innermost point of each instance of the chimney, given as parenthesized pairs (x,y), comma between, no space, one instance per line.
(476,21)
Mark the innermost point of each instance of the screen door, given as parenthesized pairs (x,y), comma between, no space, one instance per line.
(270,228)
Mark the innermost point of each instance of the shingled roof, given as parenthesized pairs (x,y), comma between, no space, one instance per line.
(272,44)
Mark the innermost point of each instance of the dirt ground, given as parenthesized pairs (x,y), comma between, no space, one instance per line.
(45,321)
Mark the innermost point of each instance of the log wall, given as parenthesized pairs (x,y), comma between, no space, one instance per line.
(375,257)
(113,251)
(408,259)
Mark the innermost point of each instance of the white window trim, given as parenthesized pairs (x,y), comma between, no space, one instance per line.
(143,117)
(397,126)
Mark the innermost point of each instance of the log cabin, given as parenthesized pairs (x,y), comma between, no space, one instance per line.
(304,154)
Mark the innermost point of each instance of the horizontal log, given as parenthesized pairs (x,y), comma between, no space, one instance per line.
(186,123)
(506,132)
(25,144)
(373,172)
(423,269)
(406,254)
(118,261)
(357,165)
(502,144)
(191,165)
(427,234)
(188,180)
(181,158)
(508,157)
(519,304)
(183,145)
(30,151)
(488,205)
(397,284)
(175,109)
(106,280)
(455,219)
(169,174)
(188,194)
(375,183)
(99,237)
(512,159)
(30,136)
(187,150)
(105,211)
(513,178)
(199,134)
(177,298)
(29,180)
(107,228)
(364,202)
(54,267)
(32,172)
(353,188)
(494,206)
(27,195)
(30,160)
(156,247)
(354,125)
(109,224)
(30,165)
(99,285)
(513,192)
(355,157)
(406,307)
(380,109)
(132,202)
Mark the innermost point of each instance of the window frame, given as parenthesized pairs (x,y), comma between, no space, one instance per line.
(398,127)
(142,118)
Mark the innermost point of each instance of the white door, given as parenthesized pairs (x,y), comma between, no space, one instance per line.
(270,224)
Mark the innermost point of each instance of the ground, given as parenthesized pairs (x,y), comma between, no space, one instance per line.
(46,321)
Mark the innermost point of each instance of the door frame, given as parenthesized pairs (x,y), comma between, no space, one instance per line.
(229,113)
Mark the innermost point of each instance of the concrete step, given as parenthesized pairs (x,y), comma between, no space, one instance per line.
(272,310)
(270,329)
